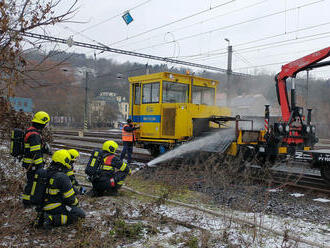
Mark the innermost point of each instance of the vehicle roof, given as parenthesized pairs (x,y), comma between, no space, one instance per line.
(165,74)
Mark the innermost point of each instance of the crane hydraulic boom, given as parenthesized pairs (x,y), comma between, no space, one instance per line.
(292,130)
(290,70)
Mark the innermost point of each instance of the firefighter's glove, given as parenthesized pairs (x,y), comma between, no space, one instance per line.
(136,127)
(25,166)
(75,182)
(82,190)
(46,149)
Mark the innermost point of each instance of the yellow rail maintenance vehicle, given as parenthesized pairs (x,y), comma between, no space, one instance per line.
(172,108)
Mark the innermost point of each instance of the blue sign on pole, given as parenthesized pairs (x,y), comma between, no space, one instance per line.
(127,17)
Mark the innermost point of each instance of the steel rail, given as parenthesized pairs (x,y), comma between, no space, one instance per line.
(306,181)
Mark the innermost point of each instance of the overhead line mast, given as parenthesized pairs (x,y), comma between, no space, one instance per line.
(130,53)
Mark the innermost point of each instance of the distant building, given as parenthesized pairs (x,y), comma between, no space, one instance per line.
(20,103)
(123,109)
(104,99)
(97,106)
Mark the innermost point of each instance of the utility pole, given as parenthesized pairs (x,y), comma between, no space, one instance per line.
(86,103)
(147,69)
(229,72)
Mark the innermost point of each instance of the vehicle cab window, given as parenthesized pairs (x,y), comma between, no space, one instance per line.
(175,92)
(202,95)
(137,94)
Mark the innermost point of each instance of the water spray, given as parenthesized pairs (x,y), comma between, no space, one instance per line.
(217,142)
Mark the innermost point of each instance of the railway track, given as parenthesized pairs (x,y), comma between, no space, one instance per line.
(280,179)
(140,157)
(91,140)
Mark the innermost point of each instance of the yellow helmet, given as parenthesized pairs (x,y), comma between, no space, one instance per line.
(63,157)
(41,117)
(74,154)
(110,146)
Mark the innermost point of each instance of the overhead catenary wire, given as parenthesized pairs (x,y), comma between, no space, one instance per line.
(197,23)
(176,21)
(113,17)
(258,48)
(209,55)
(275,55)
(280,43)
(241,57)
(230,26)
(129,53)
(263,65)
(216,51)
(268,45)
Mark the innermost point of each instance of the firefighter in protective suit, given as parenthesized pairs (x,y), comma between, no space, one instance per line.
(34,149)
(112,172)
(61,203)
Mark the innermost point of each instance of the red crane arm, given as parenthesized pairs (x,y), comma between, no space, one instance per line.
(290,70)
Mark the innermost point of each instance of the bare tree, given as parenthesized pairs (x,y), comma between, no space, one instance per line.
(17,17)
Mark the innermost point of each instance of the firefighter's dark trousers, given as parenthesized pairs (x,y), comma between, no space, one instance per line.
(28,187)
(109,182)
(63,215)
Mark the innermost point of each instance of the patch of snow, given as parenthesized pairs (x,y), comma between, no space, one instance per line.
(295,227)
(297,195)
(321,200)
(3,148)
(274,190)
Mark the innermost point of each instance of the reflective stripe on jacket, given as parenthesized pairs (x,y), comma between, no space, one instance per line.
(111,162)
(127,136)
(107,166)
(60,192)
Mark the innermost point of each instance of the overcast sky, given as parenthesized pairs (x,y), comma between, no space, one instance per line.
(265,34)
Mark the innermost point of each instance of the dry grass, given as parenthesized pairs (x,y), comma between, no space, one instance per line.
(129,219)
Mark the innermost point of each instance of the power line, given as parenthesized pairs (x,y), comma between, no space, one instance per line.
(285,53)
(201,55)
(294,41)
(267,46)
(241,57)
(260,47)
(230,26)
(216,52)
(113,17)
(93,40)
(179,20)
(125,52)
(255,66)
(199,22)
